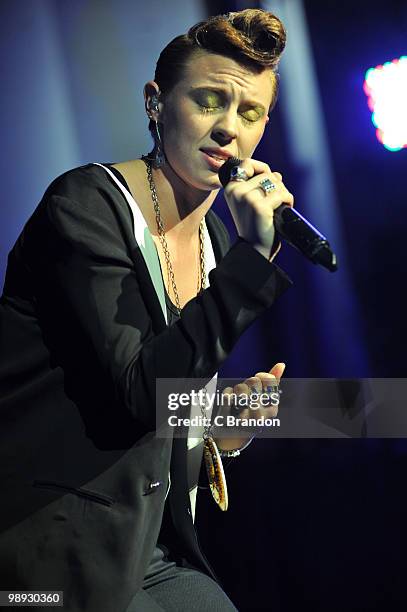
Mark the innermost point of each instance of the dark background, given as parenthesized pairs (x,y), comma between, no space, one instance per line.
(320,524)
(312,524)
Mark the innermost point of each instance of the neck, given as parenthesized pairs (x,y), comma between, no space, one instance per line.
(185,206)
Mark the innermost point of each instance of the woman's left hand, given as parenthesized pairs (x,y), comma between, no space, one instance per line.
(260,383)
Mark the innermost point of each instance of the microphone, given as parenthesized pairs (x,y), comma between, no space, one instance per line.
(293,227)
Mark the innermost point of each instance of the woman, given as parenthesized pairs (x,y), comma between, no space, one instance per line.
(90,321)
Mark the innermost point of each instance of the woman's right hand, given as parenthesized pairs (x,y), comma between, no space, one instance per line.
(252,209)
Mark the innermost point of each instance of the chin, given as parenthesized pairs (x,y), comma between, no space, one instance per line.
(204,181)
(210,184)
(199,178)
(210,177)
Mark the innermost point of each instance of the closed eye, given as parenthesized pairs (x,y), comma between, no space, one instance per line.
(208,109)
(209,101)
(248,117)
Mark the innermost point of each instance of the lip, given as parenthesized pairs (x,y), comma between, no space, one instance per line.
(215,164)
(218,152)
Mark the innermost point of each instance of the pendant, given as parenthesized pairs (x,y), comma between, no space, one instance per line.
(216,475)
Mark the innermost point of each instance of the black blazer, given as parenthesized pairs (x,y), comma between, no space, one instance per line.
(82,341)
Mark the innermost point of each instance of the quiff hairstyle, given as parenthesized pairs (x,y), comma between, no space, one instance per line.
(253,37)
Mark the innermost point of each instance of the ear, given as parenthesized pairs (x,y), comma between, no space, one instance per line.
(151,100)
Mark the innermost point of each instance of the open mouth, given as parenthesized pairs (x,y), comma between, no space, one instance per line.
(215,160)
(215,156)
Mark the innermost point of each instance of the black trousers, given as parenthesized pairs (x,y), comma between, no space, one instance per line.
(168,587)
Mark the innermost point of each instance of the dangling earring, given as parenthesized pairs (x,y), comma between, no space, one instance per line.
(157,156)
(158,152)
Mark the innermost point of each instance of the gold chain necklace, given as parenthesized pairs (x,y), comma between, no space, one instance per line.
(213,461)
(161,235)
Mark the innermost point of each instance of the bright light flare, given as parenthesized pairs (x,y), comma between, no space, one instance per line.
(386,89)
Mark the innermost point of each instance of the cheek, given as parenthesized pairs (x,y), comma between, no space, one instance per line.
(251,140)
(259,133)
(184,132)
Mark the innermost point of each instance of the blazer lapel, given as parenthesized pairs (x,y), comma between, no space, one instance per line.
(145,242)
(214,247)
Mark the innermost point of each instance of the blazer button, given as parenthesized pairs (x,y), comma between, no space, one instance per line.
(153,486)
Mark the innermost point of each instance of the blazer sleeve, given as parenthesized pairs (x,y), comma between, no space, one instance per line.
(89,268)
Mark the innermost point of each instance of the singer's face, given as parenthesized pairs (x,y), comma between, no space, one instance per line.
(218,108)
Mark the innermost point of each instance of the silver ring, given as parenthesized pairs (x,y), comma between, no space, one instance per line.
(267,186)
(238,174)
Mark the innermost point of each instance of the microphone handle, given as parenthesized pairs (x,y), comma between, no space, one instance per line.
(293,227)
(303,236)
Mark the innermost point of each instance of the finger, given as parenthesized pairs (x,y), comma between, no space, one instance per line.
(252,189)
(228,396)
(252,167)
(278,370)
(241,389)
(254,389)
(273,410)
(288,196)
(268,380)
(254,383)
(257,171)
(265,376)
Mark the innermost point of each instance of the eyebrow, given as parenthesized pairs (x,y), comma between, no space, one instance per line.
(223,91)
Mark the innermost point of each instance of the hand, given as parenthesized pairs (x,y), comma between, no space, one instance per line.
(261,382)
(253,210)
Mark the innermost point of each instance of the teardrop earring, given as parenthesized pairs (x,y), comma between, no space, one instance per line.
(158,160)
(157,156)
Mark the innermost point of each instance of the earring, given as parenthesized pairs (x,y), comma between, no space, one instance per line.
(154,103)
(158,153)
(157,157)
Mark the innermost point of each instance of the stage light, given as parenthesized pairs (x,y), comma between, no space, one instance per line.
(386,89)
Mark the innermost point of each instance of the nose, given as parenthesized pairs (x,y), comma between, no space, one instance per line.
(225,128)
